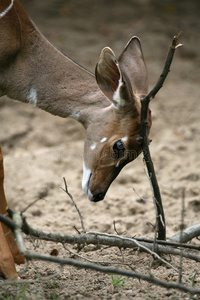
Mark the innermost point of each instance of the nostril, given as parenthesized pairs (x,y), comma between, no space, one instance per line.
(98,197)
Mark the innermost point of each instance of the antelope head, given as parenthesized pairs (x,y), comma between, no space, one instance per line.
(112,138)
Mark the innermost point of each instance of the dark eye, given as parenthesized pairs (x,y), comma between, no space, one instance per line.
(118,149)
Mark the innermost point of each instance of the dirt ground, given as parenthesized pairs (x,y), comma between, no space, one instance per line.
(41,149)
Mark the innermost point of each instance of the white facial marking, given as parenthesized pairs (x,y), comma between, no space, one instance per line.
(75,115)
(124,139)
(103,140)
(117,164)
(93,146)
(32,96)
(116,96)
(86,180)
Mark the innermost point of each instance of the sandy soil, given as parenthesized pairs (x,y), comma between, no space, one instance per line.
(41,149)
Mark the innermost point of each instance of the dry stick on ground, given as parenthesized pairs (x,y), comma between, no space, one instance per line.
(181,228)
(155,255)
(16,225)
(143,132)
(187,235)
(72,199)
(104,239)
(173,244)
(96,238)
(31,204)
(96,261)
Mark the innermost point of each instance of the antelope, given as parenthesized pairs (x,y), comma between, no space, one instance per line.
(107,104)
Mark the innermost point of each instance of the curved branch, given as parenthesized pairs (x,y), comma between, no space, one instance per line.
(160,218)
(32,255)
(96,238)
(186,235)
(111,270)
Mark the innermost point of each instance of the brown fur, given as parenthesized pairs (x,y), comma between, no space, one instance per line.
(33,70)
(9,253)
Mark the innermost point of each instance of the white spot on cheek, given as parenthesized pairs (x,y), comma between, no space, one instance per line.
(32,96)
(93,146)
(117,164)
(103,140)
(75,115)
(124,139)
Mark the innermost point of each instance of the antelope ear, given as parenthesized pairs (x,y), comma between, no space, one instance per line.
(110,80)
(132,65)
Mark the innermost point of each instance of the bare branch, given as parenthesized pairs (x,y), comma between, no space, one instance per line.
(186,235)
(110,270)
(166,69)
(145,147)
(155,207)
(182,227)
(31,204)
(105,239)
(144,248)
(72,199)
(32,255)
(96,261)
(100,238)
(170,243)
(141,198)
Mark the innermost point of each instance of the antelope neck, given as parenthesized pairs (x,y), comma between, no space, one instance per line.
(42,75)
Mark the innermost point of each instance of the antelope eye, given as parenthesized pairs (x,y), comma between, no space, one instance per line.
(118,149)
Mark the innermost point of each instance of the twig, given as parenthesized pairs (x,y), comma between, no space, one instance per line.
(111,270)
(104,239)
(143,132)
(187,235)
(31,204)
(72,199)
(137,244)
(62,262)
(181,228)
(96,261)
(143,247)
(7,222)
(115,229)
(169,243)
(166,69)
(141,198)
(156,209)
(93,238)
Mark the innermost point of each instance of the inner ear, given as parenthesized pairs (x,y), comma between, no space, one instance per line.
(107,73)
(110,79)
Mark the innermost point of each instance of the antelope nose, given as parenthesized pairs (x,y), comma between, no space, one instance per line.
(98,197)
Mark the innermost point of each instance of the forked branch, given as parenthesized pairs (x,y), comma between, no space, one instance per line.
(74,203)
(62,261)
(160,218)
(97,238)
